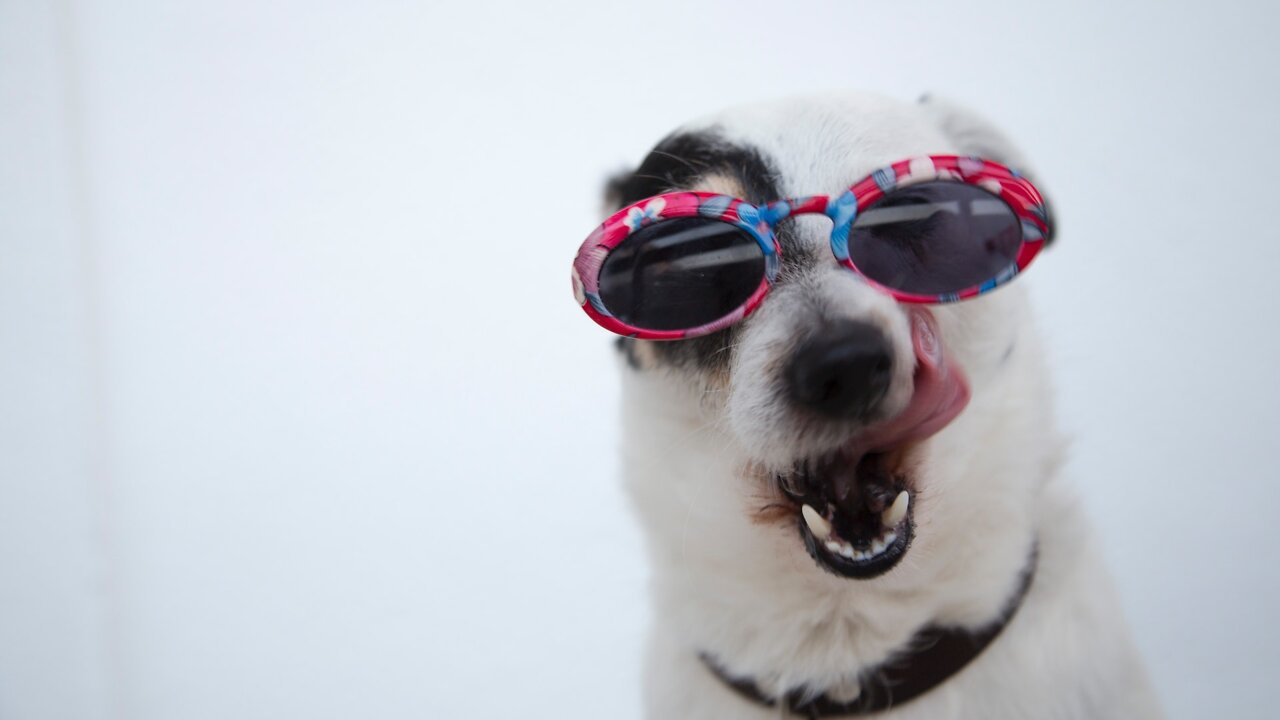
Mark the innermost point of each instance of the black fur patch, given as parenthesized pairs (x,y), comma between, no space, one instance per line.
(679,160)
(627,347)
(677,163)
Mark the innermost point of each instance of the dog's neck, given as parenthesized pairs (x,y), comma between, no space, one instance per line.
(932,656)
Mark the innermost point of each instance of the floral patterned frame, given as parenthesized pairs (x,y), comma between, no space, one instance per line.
(759,222)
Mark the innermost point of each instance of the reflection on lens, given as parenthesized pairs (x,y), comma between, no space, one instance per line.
(681,273)
(935,238)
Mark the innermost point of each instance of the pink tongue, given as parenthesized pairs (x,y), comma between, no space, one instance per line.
(941,391)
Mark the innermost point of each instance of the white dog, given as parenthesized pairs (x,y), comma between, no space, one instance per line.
(979,592)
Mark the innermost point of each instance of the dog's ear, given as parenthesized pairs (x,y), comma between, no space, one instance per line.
(973,134)
(614,186)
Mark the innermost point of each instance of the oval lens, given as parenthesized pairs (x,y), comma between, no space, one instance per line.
(681,273)
(935,238)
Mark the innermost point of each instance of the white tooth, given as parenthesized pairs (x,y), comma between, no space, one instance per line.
(833,546)
(890,539)
(818,525)
(893,514)
(877,547)
(847,550)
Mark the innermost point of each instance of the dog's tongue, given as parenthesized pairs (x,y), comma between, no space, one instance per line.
(941,391)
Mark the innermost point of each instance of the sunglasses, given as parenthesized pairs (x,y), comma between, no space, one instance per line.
(929,230)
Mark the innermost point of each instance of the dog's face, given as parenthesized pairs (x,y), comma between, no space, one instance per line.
(833,422)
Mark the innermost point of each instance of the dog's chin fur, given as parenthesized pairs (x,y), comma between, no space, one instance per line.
(705,424)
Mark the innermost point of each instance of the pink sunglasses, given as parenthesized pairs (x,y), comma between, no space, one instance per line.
(925,230)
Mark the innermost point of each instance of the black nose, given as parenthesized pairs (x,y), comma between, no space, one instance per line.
(843,372)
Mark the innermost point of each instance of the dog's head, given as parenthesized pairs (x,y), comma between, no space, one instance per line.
(833,422)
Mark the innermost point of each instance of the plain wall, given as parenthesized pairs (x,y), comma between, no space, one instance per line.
(298,417)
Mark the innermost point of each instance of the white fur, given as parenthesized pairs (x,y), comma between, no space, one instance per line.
(987,486)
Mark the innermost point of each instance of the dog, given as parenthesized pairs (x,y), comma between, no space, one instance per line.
(979,592)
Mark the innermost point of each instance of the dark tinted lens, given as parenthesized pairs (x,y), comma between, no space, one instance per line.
(681,273)
(935,238)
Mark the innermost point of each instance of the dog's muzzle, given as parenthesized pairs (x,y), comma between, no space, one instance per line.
(855,508)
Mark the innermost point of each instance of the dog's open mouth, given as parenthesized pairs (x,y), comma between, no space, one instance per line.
(855,512)
(855,506)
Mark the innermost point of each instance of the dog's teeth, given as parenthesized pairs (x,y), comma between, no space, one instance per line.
(893,514)
(847,550)
(818,525)
(833,546)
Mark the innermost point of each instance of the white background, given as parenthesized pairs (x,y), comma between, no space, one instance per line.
(298,417)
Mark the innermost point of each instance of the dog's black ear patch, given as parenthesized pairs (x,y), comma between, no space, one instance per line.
(680,159)
(614,186)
